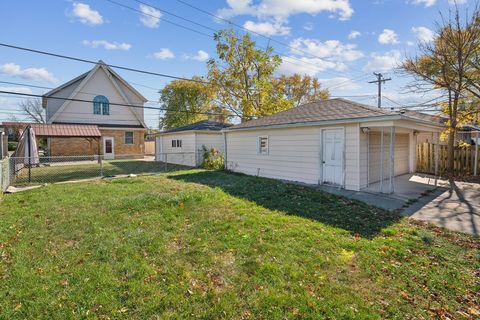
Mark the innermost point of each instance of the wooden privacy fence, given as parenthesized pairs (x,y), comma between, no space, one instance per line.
(464,159)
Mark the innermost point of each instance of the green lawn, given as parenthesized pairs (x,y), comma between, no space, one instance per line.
(59,172)
(212,245)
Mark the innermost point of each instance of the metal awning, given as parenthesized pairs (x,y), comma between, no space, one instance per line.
(58,130)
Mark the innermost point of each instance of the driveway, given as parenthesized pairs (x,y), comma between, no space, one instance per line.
(457,209)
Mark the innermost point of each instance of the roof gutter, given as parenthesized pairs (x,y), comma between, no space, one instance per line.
(318,123)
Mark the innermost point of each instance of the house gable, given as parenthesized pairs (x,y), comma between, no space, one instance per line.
(99,81)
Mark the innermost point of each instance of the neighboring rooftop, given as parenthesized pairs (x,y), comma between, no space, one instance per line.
(58,130)
(204,125)
(330,110)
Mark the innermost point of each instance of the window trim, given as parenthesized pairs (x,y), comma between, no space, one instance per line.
(259,150)
(125,137)
(176,143)
(102,105)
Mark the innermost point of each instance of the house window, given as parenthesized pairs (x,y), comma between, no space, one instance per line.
(262,145)
(176,143)
(101,105)
(129,137)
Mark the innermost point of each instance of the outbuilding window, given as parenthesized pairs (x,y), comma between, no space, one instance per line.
(263,145)
(128,137)
(176,143)
(101,105)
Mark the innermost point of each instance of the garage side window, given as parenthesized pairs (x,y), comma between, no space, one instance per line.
(263,145)
(129,137)
(176,143)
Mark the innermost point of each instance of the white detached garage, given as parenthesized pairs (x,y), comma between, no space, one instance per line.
(337,142)
(183,145)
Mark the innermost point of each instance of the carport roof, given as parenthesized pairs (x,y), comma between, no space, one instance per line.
(58,130)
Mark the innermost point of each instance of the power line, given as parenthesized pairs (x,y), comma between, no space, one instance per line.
(252,31)
(111,103)
(215,30)
(96,62)
(50,88)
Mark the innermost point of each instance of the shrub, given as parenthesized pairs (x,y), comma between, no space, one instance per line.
(12,145)
(212,159)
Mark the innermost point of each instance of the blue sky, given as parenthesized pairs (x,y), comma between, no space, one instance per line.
(340,42)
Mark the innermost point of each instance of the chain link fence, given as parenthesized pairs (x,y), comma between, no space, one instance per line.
(21,171)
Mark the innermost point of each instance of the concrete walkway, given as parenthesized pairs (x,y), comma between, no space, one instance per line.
(457,209)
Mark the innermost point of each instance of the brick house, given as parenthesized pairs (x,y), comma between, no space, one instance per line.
(99,97)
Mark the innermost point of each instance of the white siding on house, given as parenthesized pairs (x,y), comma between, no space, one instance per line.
(184,155)
(82,112)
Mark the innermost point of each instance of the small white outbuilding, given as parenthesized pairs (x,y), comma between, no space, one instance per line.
(337,142)
(183,145)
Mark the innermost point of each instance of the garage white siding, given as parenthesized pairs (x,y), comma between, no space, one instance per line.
(183,156)
(401,155)
(293,154)
(210,140)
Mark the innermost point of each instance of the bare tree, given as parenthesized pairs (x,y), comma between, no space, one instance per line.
(445,64)
(34,110)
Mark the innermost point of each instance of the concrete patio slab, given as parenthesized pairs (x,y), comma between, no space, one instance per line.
(408,188)
(457,209)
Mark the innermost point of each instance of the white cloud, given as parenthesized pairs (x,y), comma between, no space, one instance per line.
(310,56)
(163,54)
(385,62)
(17,89)
(200,56)
(388,37)
(309,66)
(410,43)
(107,45)
(275,28)
(86,14)
(15,70)
(354,34)
(150,17)
(423,34)
(340,84)
(330,49)
(457,1)
(426,3)
(284,8)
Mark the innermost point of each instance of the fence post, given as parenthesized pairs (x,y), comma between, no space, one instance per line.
(475,167)
(166,162)
(101,167)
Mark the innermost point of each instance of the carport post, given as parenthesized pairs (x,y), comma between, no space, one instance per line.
(392,159)
(381,161)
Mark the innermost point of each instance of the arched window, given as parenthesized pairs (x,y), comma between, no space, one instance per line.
(101,105)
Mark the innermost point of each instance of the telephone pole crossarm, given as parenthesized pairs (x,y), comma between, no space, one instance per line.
(380,80)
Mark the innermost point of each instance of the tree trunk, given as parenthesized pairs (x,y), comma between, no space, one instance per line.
(451,151)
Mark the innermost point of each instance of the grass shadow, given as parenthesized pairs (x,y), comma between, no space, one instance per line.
(303,201)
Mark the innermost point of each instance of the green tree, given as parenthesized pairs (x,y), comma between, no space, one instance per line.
(242,77)
(185,102)
(300,90)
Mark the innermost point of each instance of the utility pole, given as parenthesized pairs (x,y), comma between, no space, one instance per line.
(380,80)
